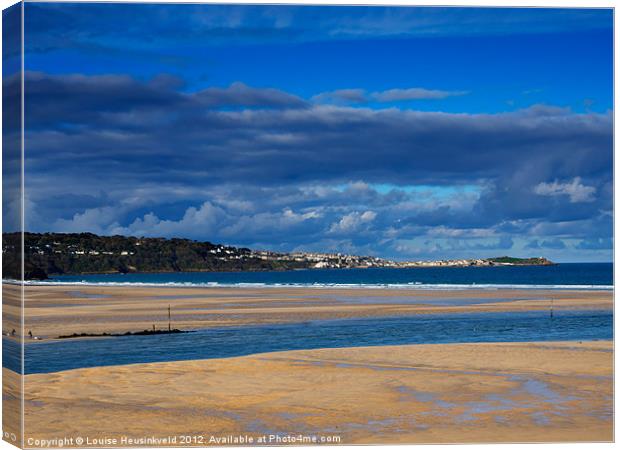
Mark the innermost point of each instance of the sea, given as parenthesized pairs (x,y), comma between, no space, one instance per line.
(522,326)
(560,276)
(224,342)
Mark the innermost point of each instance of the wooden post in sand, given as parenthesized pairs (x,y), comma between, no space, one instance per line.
(169,319)
(551,309)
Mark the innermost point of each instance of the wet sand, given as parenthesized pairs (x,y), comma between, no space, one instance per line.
(444,393)
(52,311)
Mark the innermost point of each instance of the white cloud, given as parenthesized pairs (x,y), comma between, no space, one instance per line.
(195,221)
(577,192)
(95,220)
(352,221)
(293,217)
(368,216)
(284,224)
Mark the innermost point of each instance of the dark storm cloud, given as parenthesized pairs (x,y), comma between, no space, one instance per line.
(345,96)
(238,94)
(278,144)
(75,99)
(395,95)
(263,164)
(342,96)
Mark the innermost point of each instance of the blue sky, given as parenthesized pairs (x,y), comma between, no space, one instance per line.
(409,133)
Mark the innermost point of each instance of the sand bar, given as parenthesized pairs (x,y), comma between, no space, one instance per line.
(59,310)
(509,392)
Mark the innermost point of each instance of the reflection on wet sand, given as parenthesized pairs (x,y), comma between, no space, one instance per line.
(530,392)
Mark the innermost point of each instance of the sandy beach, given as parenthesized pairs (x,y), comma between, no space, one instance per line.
(51,311)
(510,392)
(440,393)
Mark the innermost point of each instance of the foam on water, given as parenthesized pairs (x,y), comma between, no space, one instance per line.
(421,286)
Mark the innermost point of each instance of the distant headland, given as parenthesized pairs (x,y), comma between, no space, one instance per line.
(48,254)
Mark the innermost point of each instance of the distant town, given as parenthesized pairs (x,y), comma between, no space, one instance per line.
(47,254)
(343,261)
